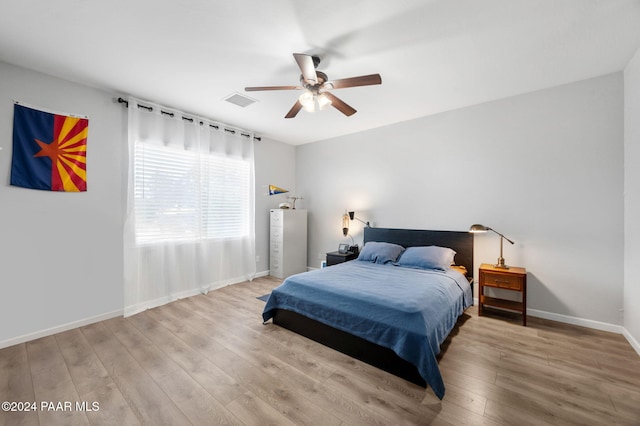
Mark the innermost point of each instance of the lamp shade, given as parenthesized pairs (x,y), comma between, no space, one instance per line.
(478,228)
(345,224)
(352,216)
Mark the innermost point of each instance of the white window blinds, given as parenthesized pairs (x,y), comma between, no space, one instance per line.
(181,196)
(190,223)
(226,202)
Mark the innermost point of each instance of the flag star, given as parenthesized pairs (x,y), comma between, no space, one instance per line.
(48,150)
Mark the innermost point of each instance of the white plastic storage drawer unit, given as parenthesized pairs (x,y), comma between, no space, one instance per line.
(288,251)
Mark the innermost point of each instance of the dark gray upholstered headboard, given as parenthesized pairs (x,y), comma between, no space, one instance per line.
(461,242)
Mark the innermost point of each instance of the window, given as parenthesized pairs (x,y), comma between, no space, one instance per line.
(183,196)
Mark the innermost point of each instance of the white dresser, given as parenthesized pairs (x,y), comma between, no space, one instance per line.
(288,251)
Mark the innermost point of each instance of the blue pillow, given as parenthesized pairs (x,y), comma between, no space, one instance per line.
(430,257)
(380,252)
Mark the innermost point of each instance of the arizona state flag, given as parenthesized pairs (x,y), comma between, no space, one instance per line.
(49,150)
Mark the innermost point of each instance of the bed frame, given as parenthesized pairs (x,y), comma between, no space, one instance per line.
(356,347)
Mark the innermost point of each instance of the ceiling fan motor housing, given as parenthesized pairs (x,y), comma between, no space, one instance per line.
(321,79)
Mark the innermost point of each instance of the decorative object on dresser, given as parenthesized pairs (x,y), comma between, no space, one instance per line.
(288,247)
(335,257)
(513,279)
(294,199)
(481,228)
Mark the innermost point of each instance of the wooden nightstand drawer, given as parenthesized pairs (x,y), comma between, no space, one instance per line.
(513,279)
(510,282)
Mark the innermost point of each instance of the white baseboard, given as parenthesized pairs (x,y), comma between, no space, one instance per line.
(596,325)
(613,328)
(150,304)
(127,311)
(58,329)
(582,322)
(633,342)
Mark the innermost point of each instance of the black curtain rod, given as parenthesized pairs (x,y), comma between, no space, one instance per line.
(149,108)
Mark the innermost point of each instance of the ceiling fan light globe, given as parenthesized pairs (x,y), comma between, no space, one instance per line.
(313,102)
(323,101)
(306,99)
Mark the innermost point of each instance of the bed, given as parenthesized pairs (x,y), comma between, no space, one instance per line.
(391,314)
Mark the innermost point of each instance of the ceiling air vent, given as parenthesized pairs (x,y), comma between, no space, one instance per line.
(240,100)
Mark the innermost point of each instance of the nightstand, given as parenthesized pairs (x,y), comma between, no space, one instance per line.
(335,257)
(513,279)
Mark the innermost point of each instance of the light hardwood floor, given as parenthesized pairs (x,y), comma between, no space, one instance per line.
(209,360)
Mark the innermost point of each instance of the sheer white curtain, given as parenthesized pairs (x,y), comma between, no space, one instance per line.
(190,222)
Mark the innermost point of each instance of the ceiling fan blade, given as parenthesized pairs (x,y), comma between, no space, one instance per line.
(363,80)
(258,88)
(339,104)
(307,67)
(294,110)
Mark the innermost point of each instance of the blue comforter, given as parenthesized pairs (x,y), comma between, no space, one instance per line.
(410,311)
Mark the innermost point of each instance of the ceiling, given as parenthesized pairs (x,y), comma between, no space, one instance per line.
(433,55)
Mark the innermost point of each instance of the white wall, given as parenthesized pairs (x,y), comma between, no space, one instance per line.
(632,200)
(60,253)
(275,165)
(541,168)
(545,169)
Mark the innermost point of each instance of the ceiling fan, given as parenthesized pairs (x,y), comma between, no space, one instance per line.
(317,87)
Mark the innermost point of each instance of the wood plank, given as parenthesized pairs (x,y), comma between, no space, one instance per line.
(149,402)
(93,382)
(572,404)
(214,380)
(52,384)
(278,393)
(209,359)
(287,375)
(192,399)
(16,385)
(253,411)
